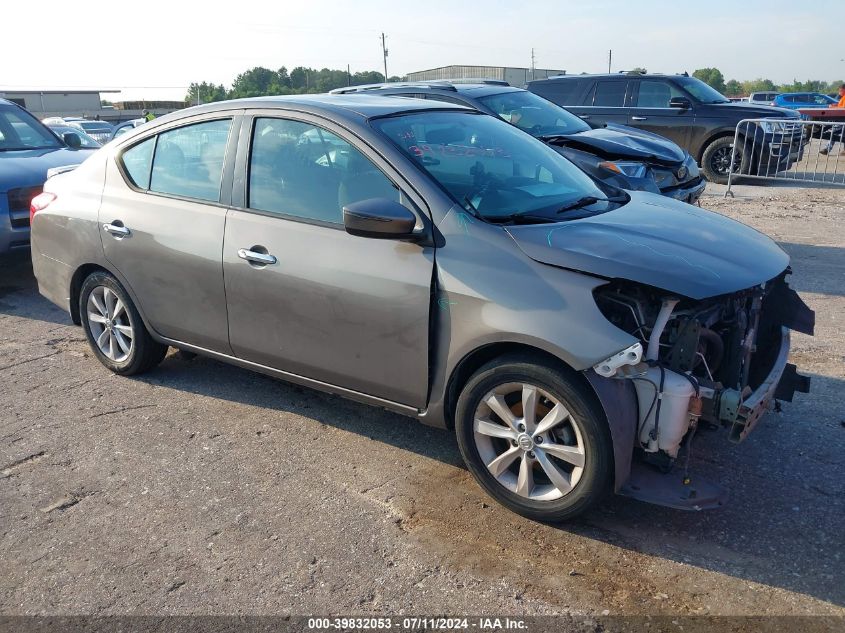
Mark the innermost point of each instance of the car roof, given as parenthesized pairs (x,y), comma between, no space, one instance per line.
(351,106)
(620,75)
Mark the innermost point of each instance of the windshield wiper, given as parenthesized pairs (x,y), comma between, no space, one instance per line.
(586,201)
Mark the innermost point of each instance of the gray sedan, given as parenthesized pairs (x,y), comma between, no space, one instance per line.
(438,262)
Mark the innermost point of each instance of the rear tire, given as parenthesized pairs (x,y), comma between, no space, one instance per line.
(716,160)
(550,466)
(114,328)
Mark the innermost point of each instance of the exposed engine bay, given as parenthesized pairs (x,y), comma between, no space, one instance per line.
(719,361)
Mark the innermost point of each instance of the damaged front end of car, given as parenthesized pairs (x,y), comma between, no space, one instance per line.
(719,361)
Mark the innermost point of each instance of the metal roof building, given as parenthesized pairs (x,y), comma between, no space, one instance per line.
(43,103)
(513,75)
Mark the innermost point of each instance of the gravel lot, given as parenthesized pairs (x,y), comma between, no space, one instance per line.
(201,488)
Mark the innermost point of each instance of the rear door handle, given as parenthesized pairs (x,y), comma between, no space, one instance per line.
(256,257)
(639,118)
(117,230)
(584,116)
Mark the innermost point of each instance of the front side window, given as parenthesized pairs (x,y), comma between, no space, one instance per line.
(702,92)
(656,94)
(609,94)
(188,160)
(533,114)
(301,170)
(493,169)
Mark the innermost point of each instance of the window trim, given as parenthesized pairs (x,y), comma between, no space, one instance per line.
(224,195)
(240,185)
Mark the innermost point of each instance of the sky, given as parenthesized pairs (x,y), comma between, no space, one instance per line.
(154,50)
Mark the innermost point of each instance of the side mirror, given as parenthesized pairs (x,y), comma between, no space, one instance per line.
(72,140)
(380,218)
(681,103)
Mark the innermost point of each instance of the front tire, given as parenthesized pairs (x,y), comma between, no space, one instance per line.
(535,438)
(114,328)
(716,160)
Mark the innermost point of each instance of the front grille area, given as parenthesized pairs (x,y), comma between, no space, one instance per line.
(19,200)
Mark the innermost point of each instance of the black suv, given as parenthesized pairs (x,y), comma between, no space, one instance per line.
(685,110)
(621,156)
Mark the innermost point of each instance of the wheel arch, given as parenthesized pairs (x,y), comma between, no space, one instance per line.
(77,279)
(81,274)
(617,398)
(725,133)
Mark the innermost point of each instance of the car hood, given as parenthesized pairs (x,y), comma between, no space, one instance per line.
(751,110)
(28,168)
(621,142)
(660,242)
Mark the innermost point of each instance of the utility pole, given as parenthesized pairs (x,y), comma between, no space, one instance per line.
(348,76)
(384,50)
(532,65)
(609,59)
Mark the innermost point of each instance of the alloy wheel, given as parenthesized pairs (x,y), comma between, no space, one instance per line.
(529,441)
(110,324)
(721,161)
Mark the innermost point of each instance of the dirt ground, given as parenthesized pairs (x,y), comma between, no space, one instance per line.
(201,488)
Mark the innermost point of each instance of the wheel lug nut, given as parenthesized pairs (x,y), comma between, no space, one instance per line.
(514,443)
(522,427)
(531,454)
(538,440)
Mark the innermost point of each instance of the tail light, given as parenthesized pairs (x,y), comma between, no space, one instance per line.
(39,203)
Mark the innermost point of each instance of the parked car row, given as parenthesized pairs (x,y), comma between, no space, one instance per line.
(622,156)
(435,260)
(685,110)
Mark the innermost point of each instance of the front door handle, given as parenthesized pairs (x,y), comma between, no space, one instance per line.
(256,257)
(584,116)
(639,118)
(118,230)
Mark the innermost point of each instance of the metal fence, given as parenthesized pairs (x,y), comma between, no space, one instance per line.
(788,150)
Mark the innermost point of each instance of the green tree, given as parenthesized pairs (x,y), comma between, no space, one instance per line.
(733,88)
(712,77)
(284,78)
(758,85)
(256,82)
(205,92)
(299,78)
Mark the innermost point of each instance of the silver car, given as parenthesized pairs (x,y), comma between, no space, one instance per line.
(437,262)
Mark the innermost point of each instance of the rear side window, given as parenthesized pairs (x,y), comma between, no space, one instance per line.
(301,170)
(559,92)
(609,94)
(138,162)
(188,161)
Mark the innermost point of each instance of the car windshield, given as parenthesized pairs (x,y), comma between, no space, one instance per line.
(533,114)
(20,131)
(701,91)
(87,141)
(494,170)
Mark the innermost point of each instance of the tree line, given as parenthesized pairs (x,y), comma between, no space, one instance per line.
(260,81)
(734,88)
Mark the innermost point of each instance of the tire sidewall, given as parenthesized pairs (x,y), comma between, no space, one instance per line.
(596,478)
(707,157)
